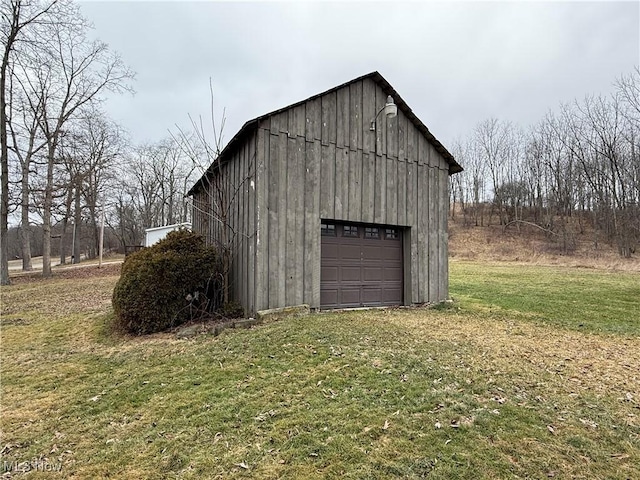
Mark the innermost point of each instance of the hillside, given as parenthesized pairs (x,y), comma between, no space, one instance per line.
(531,245)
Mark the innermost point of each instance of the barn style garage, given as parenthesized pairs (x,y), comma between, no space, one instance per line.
(340,200)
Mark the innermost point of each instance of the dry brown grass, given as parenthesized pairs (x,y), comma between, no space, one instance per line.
(530,246)
(600,364)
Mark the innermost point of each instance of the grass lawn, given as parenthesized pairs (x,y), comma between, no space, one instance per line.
(534,372)
(581,299)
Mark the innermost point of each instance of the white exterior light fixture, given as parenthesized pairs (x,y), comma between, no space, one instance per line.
(390,111)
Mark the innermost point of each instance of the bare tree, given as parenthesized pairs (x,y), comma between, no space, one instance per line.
(16,16)
(514,189)
(88,151)
(608,166)
(629,89)
(472,180)
(26,143)
(469,185)
(493,138)
(104,144)
(556,166)
(156,176)
(82,71)
(457,193)
(218,201)
(535,175)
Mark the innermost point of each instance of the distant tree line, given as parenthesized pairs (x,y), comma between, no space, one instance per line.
(578,166)
(68,170)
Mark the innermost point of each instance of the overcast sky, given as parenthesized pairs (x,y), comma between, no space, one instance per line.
(454,63)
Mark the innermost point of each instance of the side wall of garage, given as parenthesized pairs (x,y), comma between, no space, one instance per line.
(226,213)
(318,161)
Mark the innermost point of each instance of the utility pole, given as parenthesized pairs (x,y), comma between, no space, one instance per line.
(73,243)
(101,236)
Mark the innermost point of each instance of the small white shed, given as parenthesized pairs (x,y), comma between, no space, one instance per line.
(155,234)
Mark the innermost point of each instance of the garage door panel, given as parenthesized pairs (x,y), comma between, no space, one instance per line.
(350,297)
(358,271)
(351,274)
(392,274)
(372,274)
(350,253)
(329,251)
(329,297)
(391,294)
(391,252)
(329,273)
(371,296)
(372,252)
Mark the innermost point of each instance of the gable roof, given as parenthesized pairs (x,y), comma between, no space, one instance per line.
(250,126)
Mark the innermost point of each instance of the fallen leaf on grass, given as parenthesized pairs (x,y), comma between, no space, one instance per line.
(242,465)
(261,417)
(386,425)
(97,397)
(589,423)
(8,447)
(329,393)
(620,456)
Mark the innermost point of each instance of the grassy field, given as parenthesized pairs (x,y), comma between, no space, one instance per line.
(575,298)
(534,372)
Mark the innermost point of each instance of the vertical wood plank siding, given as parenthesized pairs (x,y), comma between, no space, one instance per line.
(320,160)
(238,180)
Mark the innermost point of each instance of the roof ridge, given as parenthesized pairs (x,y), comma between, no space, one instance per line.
(377,77)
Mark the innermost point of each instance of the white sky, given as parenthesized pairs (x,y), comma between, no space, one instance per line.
(454,63)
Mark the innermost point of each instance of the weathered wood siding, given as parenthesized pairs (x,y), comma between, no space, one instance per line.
(319,160)
(325,163)
(226,212)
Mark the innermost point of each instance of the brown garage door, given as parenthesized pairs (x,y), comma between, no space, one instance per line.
(361,265)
